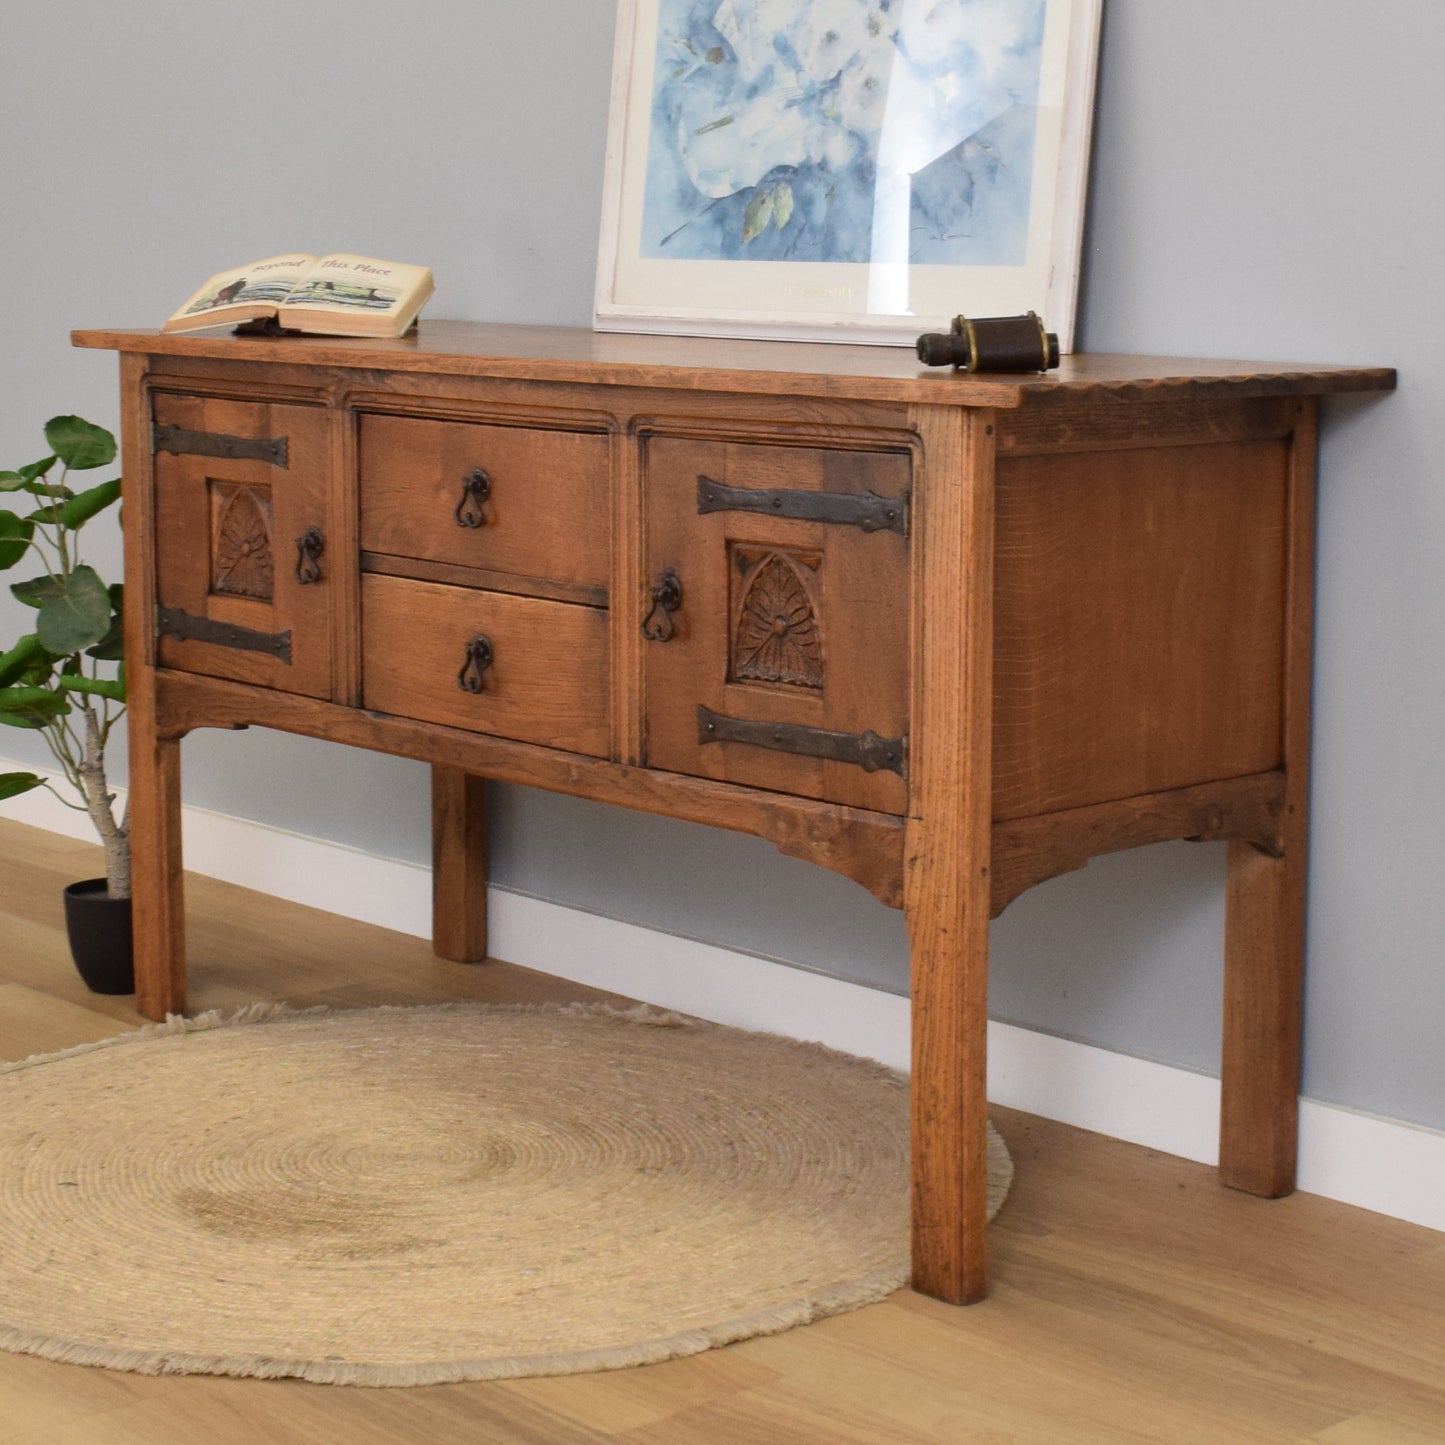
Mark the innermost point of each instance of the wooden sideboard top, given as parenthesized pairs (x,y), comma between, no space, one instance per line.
(864,373)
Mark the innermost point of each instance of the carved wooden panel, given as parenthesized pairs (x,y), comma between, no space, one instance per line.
(777,633)
(242,558)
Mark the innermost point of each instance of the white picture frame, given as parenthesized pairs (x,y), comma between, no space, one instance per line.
(845,170)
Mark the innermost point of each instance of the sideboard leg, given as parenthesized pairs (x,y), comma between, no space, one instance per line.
(1265,898)
(158,915)
(1263,979)
(947,852)
(459,865)
(948,926)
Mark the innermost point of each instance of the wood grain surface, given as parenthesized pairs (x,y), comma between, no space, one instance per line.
(546,681)
(545,515)
(876,373)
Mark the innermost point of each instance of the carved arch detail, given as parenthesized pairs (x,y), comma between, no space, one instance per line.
(777,637)
(242,560)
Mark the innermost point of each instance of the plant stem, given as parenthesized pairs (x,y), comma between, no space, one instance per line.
(61,798)
(99,802)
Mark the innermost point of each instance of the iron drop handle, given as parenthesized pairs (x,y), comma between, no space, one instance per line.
(476,488)
(309,547)
(479,658)
(658,625)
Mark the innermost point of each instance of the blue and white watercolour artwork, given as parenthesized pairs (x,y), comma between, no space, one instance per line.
(876,131)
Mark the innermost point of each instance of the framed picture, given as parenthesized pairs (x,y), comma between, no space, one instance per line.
(849,170)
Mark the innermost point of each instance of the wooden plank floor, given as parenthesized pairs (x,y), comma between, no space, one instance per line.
(1134,1299)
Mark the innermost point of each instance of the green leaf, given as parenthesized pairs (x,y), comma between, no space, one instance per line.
(21,659)
(15,534)
(37,591)
(81,508)
(52,494)
(19,482)
(97,686)
(31,707)
(757,215)
(80,444)
(111,647)
(782,204)
(77,616)
(33,471)
(13,784)
(22,698)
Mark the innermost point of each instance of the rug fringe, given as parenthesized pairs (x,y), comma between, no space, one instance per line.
(265,1013)
(773,1321)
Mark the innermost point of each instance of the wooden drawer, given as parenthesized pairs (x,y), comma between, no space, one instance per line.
(246,581)
(544,513)
(545,682)
(786,664)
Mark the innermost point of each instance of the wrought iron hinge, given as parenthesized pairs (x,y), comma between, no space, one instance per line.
(186,627)
(866,510)
(865,750)
(180,440)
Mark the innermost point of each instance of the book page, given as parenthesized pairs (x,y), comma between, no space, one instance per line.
(262,284)
(357,284)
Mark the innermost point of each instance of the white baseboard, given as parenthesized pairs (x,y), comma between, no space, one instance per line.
(1385,1165)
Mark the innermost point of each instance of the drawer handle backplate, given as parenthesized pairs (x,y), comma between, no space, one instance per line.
(658,625)
(472,677)
(309,547)
(476,488)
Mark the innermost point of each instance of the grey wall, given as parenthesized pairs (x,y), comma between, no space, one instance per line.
(1266,184)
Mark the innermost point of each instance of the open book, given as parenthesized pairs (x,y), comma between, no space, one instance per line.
(328,295)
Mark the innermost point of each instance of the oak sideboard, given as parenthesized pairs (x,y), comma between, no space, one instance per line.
(948,635)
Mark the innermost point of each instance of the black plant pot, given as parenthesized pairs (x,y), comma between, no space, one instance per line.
(99,929)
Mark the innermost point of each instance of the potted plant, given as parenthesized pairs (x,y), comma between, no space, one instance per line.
(66,678)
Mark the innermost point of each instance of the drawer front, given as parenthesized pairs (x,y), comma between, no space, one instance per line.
(785,666)
(538,673)
(245,585)
(505,499)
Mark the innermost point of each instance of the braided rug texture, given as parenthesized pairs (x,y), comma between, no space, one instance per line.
(398,1196)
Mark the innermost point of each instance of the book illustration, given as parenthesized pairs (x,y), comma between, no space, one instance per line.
(342,293)
(267,292)
(254,289)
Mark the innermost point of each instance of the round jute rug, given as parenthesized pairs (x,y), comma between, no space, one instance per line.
(402,1196)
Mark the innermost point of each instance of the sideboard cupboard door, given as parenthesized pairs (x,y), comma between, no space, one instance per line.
(244,582)
(783,662)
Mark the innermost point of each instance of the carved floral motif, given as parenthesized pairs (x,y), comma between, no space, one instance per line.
(242,564)
(777,638)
